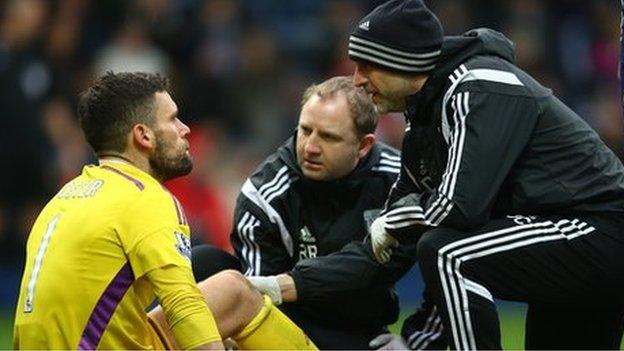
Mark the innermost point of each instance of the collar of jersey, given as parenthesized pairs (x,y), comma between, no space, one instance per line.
(129,169)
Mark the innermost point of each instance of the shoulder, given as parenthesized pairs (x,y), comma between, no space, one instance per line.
(386,160)
(273,170)
(491,74)
(269,182)
(137,195)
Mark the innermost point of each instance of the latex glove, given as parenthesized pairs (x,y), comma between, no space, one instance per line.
(269,286)
(388,342)
(382,241)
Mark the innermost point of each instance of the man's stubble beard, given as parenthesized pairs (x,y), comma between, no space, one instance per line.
(166,167)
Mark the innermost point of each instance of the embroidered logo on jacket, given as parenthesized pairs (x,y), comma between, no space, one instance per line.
(307,245)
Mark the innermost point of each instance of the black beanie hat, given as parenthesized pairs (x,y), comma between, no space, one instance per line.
(399,35)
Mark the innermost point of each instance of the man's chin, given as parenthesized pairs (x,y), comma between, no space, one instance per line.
(313,175)
(168,171)
(381,108)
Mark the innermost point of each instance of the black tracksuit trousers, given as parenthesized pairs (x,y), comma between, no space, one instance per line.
(570,270)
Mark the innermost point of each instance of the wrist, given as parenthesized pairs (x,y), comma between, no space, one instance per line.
(287,286)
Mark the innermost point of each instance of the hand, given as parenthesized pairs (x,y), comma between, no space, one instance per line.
(388,342)
(381,241)
(269,286)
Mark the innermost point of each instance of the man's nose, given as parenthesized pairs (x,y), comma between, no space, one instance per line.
(312,146)
(359,79)
(183,128)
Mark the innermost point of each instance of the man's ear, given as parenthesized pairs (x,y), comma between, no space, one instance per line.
(366,143)
(143,136)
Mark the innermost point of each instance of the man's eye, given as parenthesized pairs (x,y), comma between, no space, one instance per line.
(330,137)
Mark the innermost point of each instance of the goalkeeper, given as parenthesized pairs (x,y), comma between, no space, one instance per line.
(113,239)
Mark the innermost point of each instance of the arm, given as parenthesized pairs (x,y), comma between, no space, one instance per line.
(156,258)
(346,272)
(488,133)
(351,269)
(185,312)
(157,247)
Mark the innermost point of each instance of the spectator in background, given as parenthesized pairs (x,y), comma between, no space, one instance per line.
(132,50)
(25,82)
(70,148)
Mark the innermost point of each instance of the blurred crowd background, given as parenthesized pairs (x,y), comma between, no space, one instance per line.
(238,68)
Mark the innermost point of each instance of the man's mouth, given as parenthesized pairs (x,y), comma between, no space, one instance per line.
(372,94)
(312,164)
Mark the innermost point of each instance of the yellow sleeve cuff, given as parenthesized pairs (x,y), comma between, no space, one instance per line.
(184,306)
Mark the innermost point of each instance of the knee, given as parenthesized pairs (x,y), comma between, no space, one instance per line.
(236,293)
(429,246)
(235,283)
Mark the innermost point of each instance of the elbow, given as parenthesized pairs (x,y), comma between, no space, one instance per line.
(467,218)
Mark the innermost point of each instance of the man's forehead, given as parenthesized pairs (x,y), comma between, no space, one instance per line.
(164,103)
(326,115)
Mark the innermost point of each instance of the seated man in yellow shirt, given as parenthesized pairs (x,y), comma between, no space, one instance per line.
(113,239)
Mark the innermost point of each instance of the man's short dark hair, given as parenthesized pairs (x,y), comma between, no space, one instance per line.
(116,102)
(361,106)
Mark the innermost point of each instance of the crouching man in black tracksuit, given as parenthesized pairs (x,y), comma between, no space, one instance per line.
(527,201)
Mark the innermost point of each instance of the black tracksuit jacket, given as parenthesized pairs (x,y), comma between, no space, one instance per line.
(485,140)
(314,231)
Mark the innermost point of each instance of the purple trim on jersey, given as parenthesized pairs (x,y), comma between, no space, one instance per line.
(178,206)
(180,211)
(134,180)
(103,310)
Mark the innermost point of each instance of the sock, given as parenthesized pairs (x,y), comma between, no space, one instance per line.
(271,329)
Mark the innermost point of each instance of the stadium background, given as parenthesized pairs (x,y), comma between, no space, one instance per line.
(238,69)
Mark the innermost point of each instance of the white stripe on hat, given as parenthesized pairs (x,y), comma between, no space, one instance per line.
(389,64)
(428,61)
(392,58)
(390,50)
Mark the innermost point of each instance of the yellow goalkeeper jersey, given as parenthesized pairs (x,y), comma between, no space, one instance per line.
(84,283)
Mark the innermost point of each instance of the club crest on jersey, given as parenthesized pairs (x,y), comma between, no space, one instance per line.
(183,245)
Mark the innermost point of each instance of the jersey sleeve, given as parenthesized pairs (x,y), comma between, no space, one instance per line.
(257,241)
(186,311)
(487,133)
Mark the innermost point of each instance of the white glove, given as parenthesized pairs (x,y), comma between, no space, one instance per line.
(382,241)
(388,342)
(269,286)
